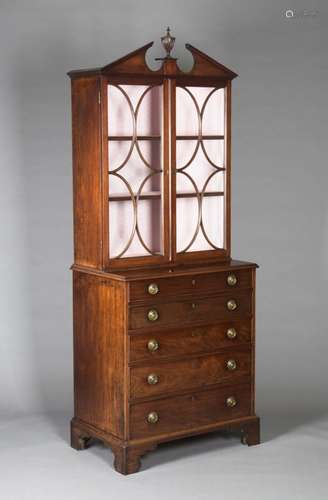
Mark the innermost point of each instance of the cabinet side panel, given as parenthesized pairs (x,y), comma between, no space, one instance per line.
(99,352)
(253,338)
(87,174)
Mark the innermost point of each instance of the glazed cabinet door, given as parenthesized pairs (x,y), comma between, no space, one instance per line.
(202,172)
(137,187)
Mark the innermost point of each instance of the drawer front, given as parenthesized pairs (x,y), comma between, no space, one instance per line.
(163,378)
(185,341)
(195,310)
(202,283)
(190,411)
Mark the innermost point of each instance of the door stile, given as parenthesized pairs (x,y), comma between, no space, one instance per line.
(103,103)
(173,203)
(227,163)
(166,160)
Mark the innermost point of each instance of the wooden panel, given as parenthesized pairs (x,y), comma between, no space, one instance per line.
(194,310)
(188,411)
(87,175)
(186,341)
(204,66)
(133,63)
(99,352)
(253,338)
(197,283)
(192,373)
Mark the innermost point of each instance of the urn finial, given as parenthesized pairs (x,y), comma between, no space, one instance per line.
(168,43)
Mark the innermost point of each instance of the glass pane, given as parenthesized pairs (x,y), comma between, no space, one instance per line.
(187,122)
(187,212)
(213,114)
(200,168)
(135,170)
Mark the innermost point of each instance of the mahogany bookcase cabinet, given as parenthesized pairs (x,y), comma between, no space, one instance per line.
(164,320)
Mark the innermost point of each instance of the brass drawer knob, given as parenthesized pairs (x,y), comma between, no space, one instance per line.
(232,280)
(231,364)
(153,289)
(232,305)
(152,417)
(152,315)
(231,402)
(152,345)
(152,379)
(231,333)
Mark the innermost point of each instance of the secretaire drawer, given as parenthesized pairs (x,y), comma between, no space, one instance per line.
(162,288)
(237,304)
(191,340)
(189,411)
(193,373)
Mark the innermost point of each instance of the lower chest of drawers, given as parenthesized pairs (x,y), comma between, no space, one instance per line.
(190,358)
(161,358)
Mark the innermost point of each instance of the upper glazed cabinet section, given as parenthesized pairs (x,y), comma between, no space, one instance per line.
(164,160)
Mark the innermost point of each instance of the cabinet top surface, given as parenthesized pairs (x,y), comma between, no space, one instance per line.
(167,271)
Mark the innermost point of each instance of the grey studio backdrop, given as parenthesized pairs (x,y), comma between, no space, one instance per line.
(279,182)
